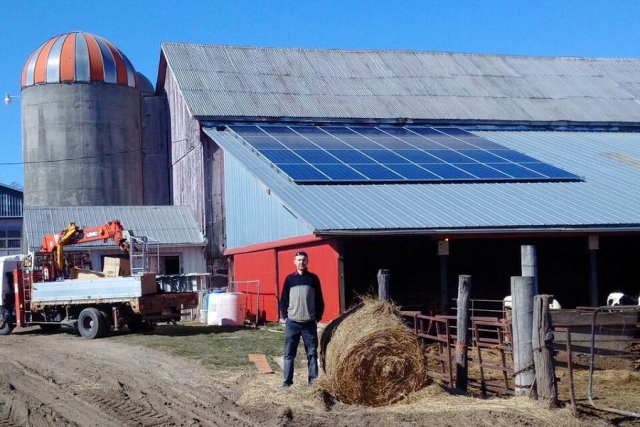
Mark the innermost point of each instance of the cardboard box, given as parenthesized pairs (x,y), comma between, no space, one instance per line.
(148,285)
(114,267)
(82,274)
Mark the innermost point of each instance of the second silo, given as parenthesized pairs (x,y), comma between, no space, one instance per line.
(80,124)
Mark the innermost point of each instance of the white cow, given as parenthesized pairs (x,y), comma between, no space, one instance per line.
(553,305)
(618,298)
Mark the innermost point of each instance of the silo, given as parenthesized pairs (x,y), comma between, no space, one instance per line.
(80,124)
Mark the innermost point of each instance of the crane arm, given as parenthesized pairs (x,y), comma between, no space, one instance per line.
(73,235)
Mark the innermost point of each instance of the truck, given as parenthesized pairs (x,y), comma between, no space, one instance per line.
(52,289)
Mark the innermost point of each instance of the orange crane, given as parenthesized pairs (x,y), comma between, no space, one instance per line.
(73,235)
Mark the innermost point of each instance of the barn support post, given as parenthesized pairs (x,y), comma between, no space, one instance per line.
(522,321)
(384,278)
(542,342)
(462,332)
(443,253)
(529,264)
(594,245)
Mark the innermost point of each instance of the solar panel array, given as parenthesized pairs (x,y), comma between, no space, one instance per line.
(310,154)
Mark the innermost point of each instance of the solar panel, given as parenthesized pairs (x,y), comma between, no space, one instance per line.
(360,154)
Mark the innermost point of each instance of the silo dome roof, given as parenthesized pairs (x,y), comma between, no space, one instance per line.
(78,57)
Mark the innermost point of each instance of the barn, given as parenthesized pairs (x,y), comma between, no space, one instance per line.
(174,237)
(11,199)
(428,164)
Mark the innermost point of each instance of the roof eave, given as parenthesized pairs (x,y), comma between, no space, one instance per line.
(492,231)
(480,124)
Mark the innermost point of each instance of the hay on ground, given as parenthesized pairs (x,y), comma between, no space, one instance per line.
(373,358)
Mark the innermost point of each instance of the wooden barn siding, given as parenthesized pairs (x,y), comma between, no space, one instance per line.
(186,154)
(155,152)
(192,259)
(214,194)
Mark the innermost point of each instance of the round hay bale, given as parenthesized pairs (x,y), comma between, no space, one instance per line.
(373,358)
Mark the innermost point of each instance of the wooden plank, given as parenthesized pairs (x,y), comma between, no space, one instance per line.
(261,363)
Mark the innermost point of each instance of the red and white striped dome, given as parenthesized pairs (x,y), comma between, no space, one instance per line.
(78,57)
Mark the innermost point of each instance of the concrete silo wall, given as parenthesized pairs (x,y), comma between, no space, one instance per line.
(81,145)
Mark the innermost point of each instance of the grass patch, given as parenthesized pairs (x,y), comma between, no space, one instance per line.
(218,347)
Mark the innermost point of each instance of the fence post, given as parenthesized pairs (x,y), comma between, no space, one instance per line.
(542,341)
(529,264)
(384,277)
(462,332)
(522,319)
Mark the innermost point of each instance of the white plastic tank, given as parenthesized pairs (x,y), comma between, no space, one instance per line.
(231,309)
(225,309)
(213,309)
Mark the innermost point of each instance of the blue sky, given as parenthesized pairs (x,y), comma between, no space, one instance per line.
(594,28)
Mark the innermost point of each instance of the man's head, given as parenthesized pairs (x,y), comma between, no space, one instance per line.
(301,259)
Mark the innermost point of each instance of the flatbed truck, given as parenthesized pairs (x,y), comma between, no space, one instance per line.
(37,290)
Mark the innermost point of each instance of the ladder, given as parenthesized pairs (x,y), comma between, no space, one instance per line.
(144,255)
(24,314)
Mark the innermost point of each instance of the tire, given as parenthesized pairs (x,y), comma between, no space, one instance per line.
(107,323)
(90,323)
(5,326)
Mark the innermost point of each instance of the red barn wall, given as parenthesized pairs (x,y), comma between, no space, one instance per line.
(271,266)
(252,266)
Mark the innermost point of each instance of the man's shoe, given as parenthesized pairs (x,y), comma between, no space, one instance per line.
(285,385)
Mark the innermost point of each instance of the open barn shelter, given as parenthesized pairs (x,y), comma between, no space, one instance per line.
(428,164)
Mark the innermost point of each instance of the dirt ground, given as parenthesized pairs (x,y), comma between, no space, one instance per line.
(64,380)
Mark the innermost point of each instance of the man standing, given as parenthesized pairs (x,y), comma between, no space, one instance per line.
(302,306)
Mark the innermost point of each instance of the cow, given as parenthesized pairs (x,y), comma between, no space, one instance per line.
(618,298)
(553,305)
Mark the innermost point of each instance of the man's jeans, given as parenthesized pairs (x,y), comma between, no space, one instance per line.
(309,332)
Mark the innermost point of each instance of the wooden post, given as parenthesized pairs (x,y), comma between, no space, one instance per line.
(462,332)
(443,253)
(522,319)
(542,342)
(594,245)
(529,264)
(384,277)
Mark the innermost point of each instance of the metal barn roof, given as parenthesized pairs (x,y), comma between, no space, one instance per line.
(253,82)
(170,225)
(607,199)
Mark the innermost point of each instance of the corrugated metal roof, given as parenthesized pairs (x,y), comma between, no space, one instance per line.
(170,225)
(231,81)
(609,196)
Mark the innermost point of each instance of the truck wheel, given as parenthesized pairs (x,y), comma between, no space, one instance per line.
(5,326)
(90,323)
